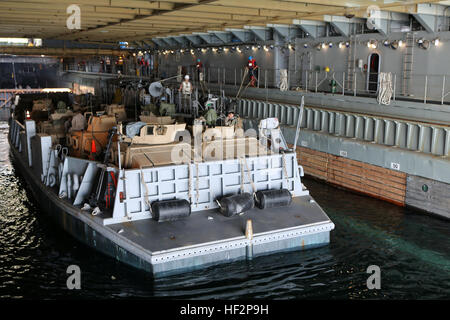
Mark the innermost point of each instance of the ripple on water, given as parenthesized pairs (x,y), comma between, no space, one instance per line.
(34,256)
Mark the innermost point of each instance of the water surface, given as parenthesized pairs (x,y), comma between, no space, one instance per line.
(412,250)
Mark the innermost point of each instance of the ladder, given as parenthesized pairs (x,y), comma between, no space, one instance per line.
(408,60)
(351,61)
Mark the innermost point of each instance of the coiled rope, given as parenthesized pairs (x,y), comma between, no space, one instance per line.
(385,91)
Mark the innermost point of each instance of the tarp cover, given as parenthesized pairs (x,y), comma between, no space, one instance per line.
(133,128)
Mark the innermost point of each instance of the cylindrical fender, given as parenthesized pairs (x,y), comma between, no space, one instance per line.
(69,186)
(51,180)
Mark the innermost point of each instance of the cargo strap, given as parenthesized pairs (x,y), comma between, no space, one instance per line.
(243,160)
(242,82)
(147,201)
(285,170)
(197,182)
(123,179)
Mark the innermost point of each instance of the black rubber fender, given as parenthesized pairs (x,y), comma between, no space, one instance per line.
(236,204)
(273,198)
(170,210)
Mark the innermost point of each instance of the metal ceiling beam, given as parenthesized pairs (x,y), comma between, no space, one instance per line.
(176,7)
(262,33)
(60,52)
(223,36)
(310,27)
(242,35)
(380,20)
(159,42)
(193,38)
(342,24)
(428,16)
(181,40)
(207,37)
(288,32)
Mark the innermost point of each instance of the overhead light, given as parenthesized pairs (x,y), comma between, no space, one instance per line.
(400,43)
(204,50)
(436,42)
(341,45)
(238,49)
(323,45)
(266,49)
(254,47)
(47,90)
(271,46)
(372,44)
(225,49)
(305,45)
(347,44)
(386,43)
(330,45)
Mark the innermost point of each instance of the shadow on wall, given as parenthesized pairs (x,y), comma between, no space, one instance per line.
(34,75)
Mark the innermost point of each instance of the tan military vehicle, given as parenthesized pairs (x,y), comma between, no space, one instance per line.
(151,134)
(81,142)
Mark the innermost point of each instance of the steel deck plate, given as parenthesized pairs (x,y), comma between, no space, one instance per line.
(198,229)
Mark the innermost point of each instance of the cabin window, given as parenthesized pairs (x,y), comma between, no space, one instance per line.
(161,130)
(149,130)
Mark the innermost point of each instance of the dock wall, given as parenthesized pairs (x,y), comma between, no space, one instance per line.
(401,161)
(385,184)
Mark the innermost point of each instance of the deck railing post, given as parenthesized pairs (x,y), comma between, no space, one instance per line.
(443,90)
(265,78)
(258,76)
(306,81)
(343,83)
(395,86)
(316,81)
(426,87)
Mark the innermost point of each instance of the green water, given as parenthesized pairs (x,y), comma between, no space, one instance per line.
(411,249)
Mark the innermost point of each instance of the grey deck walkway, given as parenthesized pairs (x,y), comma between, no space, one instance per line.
(198,229)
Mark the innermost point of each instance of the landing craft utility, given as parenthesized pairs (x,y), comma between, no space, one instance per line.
(170,195)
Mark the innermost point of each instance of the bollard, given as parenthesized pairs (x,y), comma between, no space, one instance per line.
(249,230)
(249,236)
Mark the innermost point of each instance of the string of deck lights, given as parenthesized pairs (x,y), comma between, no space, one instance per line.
(219,49)
(372,44)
